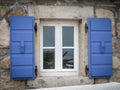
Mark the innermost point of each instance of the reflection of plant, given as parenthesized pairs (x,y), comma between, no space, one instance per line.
(48,59)
(65,53)
(67,63)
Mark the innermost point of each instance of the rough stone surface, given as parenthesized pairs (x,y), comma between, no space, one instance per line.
(118,29)
(60,12)
(7,84)
(58,2)
(82,47)
(4,34)
(4,51)
(103,80)
(43,82)
(116,76)
(114,40)
(3,10)
(116,62)
(17,12)
(104,13)
(117,44)
(25,1)
(5,63)
(7,2)
(70,2)
(104,86)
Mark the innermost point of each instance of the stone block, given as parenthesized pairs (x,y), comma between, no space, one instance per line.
(4,34)
(5,63)
(118,29)
(4,51)
(102,80)
(60,12)
(6,2)
(43,82)
(116,62)
(7,84)
(114,40)
(25,1)
(83,56)
(3,10)
(69,81)
(116,76)
(18,12)
(117,44)
(71,1)
(105,13)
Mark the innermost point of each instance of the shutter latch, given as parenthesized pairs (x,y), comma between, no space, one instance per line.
(22,46)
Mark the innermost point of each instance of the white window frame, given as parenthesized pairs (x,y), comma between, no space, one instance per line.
(58,71)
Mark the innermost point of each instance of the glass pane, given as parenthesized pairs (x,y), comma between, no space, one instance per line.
(68,58)
(68,36)
(48,36)
(48,59)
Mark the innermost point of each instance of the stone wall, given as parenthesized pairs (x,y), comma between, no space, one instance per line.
(5,82)
(82,9)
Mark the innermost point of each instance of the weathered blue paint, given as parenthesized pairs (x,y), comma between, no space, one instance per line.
(22,47)
(100,47)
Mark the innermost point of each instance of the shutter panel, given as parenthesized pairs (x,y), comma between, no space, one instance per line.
(100,47)
(21,47)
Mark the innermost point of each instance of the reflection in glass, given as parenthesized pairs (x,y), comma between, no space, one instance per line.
(48,36)
(68,36)
(48,59)
(68,59)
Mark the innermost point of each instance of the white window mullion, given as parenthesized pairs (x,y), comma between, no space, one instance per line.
(68,47)
(55,48)
(58,47)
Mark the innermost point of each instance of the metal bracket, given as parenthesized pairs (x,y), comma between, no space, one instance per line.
(86,28)
(102,46)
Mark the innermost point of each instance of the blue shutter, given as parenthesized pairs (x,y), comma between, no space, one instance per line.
(21,47)
(100,47)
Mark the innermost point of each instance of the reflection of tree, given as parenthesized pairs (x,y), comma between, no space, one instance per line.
(67,63)
(48,59)
(65,53)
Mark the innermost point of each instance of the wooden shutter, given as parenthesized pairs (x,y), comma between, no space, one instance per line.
(100,47)
(21,47)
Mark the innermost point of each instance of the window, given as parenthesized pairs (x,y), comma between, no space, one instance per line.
(58,48)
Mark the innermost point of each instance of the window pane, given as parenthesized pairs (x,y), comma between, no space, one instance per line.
(68,36)
(68,58)
(48,59)
(48,36)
